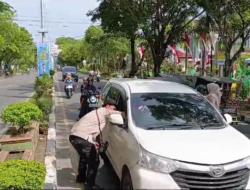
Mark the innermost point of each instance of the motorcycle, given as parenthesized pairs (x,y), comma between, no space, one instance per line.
(69,90)
(98,78)
(93,100)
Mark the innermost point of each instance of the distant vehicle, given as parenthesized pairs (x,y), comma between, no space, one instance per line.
(69,69)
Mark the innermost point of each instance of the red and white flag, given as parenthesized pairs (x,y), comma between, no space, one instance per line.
(234,71)
(176,56)
(140,50)
(205,50)
(188,42)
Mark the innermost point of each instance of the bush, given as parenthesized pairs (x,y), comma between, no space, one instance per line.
(21,114)
(42,85)
(22,174)
(45,104)
(52,72)
(84,71)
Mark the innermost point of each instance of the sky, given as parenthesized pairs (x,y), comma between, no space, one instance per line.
(62,18)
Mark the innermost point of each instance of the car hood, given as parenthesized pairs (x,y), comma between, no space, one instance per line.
(208,146)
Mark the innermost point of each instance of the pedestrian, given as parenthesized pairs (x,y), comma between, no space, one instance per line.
(83,138)
(214,95)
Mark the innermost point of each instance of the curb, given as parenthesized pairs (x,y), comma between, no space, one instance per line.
(50,158)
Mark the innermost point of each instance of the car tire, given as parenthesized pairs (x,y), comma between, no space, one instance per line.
(126,182)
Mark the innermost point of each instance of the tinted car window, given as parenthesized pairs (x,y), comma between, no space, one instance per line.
(113,94)
(69,70)
(155,109)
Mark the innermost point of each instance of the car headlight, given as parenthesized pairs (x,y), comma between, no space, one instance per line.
(156,163)
(247,162)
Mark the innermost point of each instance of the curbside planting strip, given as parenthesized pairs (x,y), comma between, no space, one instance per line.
(50,158)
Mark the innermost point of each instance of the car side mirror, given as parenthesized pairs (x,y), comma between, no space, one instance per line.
(116,119)
(229,118)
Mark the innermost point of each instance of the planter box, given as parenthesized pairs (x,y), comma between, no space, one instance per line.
(18,144)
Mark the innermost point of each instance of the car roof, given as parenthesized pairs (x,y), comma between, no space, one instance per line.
(150,86)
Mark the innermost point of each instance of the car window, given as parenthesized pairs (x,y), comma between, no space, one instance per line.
(105,92)
(113,94)
(69,70)
(156,109)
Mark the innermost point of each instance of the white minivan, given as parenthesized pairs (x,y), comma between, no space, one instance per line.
(172,138)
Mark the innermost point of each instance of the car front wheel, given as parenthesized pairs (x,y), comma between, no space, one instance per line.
(126,182)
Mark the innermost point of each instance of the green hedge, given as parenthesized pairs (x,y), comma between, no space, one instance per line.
(21,114)
(84,71)
(22,175)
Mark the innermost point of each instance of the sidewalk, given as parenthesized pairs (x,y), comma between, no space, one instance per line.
(64,151)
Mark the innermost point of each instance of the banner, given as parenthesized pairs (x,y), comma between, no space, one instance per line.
(43,58)
(52,63)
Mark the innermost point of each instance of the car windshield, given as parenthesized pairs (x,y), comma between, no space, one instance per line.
(171,110)
(70,70)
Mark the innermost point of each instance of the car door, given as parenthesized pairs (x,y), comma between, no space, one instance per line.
(113,94)
(118,135)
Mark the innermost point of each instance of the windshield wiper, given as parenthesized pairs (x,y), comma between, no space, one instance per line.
(173,126)
(217,125)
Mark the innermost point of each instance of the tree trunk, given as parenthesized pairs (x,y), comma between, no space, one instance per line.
(158,58)
(133,64)
(228,64)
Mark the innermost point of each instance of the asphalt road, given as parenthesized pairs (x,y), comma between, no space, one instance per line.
(67,159)
(67,111)
(15,89)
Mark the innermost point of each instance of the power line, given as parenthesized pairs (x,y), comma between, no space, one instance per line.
(58,22)
(36,17)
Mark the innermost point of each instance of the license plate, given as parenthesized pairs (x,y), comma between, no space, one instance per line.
(93,105)
(69,86)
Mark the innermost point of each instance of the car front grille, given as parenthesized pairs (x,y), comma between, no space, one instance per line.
(193,181)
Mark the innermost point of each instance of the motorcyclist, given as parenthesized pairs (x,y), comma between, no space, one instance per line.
(69,80)
(91,74)
(83,139)
(90,88)
(84,86)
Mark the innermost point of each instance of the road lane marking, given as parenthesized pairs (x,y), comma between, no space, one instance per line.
(64,125)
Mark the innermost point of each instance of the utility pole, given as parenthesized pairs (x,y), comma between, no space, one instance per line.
(42,30)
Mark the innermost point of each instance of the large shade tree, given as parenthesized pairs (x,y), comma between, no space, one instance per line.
(231,20)
(163,22)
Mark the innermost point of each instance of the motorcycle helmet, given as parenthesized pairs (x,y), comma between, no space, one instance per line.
(90,79)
